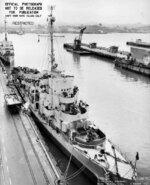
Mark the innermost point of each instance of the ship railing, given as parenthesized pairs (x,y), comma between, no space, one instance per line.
(67,99)
(94,146)
(84,145)
(70,117)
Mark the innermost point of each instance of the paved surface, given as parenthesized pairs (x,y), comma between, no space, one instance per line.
(22,161)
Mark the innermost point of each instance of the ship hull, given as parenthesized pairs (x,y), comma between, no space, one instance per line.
(93,171)
(66,149)
(79,52)
(90,175)
(137,69)
(143,45)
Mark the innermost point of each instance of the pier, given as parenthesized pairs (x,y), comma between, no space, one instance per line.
(99,51)
(23,158)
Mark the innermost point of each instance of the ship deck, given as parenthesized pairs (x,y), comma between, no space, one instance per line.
(124,168)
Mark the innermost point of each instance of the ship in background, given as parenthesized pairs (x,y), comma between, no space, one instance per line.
(6,51)
(53,100)
(139,43)
(21,30)
(138,60)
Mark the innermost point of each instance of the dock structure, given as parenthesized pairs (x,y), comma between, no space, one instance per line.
(99,51)
(23,158)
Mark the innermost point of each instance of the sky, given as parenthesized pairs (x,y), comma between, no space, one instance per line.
(92,11)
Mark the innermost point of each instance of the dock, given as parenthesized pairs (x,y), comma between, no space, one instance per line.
(99,51)
(23,157)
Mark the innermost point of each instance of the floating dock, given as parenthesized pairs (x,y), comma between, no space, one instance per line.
(140,69)
(23,158)
(138,61)
(99,51)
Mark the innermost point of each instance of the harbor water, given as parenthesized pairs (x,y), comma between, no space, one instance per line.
(118,99)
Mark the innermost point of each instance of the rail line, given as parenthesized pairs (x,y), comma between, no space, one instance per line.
(24,151)
(17,118)
(37,157)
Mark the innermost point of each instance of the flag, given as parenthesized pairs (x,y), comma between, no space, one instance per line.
(137,156)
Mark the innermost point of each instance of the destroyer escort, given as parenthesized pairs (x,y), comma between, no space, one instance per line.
(53,100)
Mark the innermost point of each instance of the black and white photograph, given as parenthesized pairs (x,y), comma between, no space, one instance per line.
(74,92)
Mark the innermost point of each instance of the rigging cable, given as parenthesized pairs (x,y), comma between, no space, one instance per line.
(68,166)
(45,56)
(61,60)
(75,174)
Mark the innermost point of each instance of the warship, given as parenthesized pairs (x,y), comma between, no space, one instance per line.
(138,60)
(6,51)
(52,98)
(139,43)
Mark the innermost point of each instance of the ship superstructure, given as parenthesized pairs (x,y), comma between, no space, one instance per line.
(7,50)
(53,100)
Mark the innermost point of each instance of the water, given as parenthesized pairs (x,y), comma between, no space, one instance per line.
(118,99)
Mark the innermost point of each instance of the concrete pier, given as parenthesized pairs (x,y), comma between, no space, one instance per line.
(23,158)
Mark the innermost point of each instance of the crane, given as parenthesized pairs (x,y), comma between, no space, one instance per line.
(77,41)
(81,33)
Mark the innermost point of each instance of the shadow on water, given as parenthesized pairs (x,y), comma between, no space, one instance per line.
(76,58)
(101,59)
(132,76)
(127,74)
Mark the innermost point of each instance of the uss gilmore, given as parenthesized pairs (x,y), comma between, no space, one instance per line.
(53,100)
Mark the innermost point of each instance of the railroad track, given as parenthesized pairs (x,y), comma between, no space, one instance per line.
(18,119)
(24,151)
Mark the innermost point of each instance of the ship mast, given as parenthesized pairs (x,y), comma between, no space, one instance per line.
(5,31)
(51,21)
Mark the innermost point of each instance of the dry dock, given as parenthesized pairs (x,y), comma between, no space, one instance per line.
(23,158)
